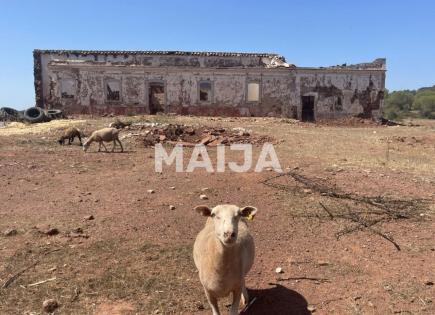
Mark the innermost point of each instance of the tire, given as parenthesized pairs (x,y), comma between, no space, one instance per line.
(35,115)
(7,113)
(54,113)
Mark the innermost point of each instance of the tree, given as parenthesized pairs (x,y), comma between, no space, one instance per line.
(426,105)
(401,100)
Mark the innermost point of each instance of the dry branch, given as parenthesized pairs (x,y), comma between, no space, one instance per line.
(41,282)
(322,280)
(15,276)
(385,209)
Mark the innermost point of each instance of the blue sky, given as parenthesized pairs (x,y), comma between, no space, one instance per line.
(307,33)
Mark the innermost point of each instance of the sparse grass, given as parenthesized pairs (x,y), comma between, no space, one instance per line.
(151,276)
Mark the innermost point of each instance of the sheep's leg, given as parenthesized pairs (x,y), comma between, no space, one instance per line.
(213,303)
(237,294)
(71,139)
(122,149)
(245,296)
(99,146)
(80,139)
(114,145)
(104,146)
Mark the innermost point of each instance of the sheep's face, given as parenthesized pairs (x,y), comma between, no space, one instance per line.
(226,220)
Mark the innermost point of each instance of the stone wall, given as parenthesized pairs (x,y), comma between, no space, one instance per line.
(121,84)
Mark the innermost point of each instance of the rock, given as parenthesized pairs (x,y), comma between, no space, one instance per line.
(279,270)
(150,191)
(199,306)
(171,207)
(50,305)
(205,189)
(207,139)
(307,191)
(203,197)
(428,282)
(311,308)
(172,187)
(89,217)
(10,232)
(52,231)
(323,263)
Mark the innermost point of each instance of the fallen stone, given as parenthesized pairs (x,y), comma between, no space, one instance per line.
(150,191)
(10,232)
(171,207)
(172,187)
(205,189)
(89,217)
(206,140)
(279,270)
(203,197)
(52,231)
(428,282)
(50,305)
(311,308)
(323,263)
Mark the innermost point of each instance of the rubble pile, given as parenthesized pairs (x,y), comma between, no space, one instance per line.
(152,133)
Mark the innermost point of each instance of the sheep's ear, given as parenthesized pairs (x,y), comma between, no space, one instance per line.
(204,210)
(248,212)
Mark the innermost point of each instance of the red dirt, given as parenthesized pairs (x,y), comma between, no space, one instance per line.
(137,258)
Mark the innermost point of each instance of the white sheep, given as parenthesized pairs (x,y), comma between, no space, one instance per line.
(224,253)
(103,135)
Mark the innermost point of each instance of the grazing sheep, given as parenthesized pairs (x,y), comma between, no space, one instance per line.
(224,253)
(70,134)
(103,135)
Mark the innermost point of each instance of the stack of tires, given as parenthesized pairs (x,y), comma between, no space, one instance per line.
(31,115)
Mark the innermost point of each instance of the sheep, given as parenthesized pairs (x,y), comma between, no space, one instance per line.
(103,135)
(224,253)
(70,134)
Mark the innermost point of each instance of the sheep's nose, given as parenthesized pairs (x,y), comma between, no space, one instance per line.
(229,235)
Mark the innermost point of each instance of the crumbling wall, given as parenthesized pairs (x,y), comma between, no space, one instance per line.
(277,94)
(341,93)
(355,90)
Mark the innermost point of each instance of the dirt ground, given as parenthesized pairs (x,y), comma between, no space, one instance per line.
(135,255)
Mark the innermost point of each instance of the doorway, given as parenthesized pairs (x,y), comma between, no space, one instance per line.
(308,108)
(156,98)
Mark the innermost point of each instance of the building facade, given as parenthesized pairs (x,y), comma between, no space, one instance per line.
(204,83)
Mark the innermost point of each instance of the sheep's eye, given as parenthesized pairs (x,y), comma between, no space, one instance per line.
(218,218)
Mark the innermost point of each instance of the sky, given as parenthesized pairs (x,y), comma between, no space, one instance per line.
(307,33)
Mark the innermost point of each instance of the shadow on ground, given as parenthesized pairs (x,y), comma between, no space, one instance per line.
(277,300)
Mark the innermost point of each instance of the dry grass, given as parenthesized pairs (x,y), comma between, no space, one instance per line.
(105,269)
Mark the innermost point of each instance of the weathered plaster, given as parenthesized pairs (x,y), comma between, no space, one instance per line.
(353,90)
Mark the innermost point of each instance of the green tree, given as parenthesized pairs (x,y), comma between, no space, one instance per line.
(400,100)
(426,105)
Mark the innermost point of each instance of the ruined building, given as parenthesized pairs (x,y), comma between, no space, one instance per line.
(204,83)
